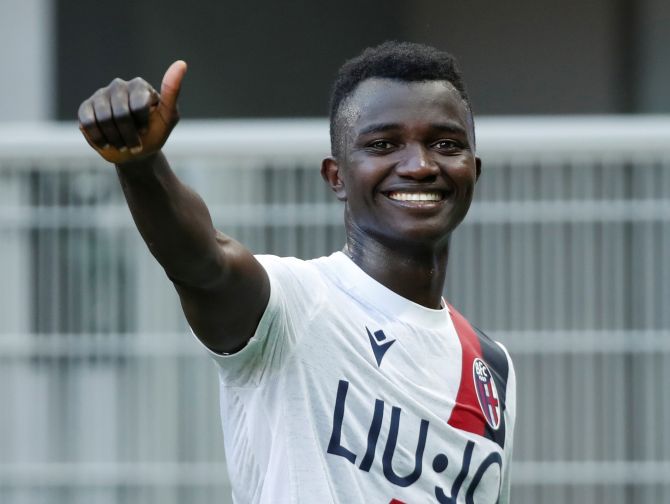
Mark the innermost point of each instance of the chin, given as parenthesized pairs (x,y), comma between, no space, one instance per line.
(420,238)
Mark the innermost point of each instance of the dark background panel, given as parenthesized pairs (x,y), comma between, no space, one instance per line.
(277,59)
(527,57)
(256,59)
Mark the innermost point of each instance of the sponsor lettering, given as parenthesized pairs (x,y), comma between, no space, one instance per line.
(440,462)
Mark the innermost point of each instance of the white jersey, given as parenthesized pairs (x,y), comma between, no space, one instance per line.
(349,393)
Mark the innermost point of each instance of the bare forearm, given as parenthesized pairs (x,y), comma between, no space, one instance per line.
(223,289)
(172,219)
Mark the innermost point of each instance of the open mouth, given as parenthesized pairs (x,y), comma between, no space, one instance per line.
(423,197)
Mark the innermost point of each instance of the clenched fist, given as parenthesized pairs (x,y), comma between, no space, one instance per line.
(129,120)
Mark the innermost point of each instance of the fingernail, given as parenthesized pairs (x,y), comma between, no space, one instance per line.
(106,146)
(123,149)
(135,150)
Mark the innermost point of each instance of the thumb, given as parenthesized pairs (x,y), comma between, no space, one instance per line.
(171,85)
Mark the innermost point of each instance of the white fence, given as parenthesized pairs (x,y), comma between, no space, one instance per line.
(564,257)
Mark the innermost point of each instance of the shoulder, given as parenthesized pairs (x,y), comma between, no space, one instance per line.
(486,357)
(493,353)
(297,279)
(488,384)
(292,267)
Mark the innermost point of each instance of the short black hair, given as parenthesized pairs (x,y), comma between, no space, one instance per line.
(404,61)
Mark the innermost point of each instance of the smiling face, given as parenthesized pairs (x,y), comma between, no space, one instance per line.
(407,170)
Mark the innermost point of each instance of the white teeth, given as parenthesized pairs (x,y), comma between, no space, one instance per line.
(415,196)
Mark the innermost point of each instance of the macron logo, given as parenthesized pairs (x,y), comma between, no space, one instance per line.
(379,344)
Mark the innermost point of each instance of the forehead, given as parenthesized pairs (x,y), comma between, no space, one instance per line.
(387,101)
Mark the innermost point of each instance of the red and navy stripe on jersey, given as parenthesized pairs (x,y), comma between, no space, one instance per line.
(468,413)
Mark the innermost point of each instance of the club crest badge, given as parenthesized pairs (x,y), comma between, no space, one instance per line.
(487,394)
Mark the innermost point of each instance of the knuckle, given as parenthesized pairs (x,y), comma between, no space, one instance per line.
(83,112)
(117,86)
(98,95)
(103,114)
(99,100)
(119,99)
(139,85)
(140,102)
(138,82)
(141,92)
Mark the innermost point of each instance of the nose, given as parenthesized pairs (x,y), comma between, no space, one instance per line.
(417,164)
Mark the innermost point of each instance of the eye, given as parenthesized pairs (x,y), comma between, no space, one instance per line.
(448,145)
(380,145)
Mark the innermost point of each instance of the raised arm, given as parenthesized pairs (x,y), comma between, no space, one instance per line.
(223,289)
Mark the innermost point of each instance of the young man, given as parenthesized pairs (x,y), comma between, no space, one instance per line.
(347,378)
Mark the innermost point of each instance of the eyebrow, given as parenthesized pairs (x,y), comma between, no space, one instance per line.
(379,128)
(449,127)
(445,127)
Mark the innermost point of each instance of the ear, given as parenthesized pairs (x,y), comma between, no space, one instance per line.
(331,173)
(478,164)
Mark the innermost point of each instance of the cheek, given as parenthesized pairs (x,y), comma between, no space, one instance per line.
(361,180)
(463,172)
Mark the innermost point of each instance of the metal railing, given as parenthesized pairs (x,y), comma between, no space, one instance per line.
(563,257)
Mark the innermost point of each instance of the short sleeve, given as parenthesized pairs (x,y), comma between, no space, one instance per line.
(277,331)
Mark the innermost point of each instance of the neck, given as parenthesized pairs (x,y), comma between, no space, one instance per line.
(416,274)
